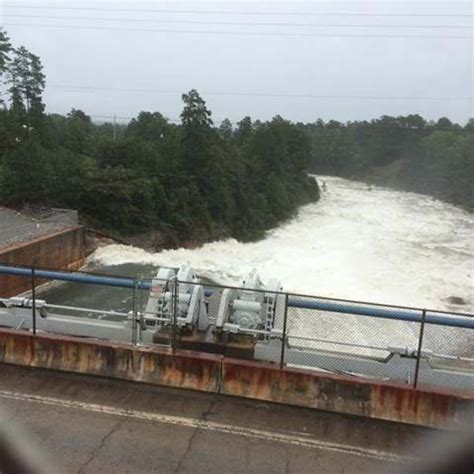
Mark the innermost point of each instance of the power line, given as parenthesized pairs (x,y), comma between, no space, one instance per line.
(120,117)
(261,94)
(240,33)
(238,23)
(235,122)
(240,12)
(124,117)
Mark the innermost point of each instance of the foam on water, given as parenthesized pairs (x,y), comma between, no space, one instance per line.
(379,245)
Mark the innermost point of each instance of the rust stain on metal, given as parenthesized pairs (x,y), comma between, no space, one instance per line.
(417,406)
(158,366)
(215,373)
(333,393)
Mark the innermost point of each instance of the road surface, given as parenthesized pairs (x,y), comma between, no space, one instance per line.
(84,424)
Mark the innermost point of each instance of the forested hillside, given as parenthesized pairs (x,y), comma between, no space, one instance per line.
(191,178)
(199,180)
(409,153)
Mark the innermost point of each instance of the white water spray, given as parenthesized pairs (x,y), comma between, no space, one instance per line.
(374,245)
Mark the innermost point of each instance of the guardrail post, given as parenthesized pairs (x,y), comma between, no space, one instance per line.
(33,297)
(141,308)
(134,312)
(283,339)
(174,308)
(420,345)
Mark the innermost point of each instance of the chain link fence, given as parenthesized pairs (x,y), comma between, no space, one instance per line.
(446,353)
(343,341)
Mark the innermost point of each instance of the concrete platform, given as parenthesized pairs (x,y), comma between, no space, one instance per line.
(16,228)
(64,248)
(85,424)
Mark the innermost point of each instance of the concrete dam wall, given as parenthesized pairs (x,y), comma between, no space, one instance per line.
(218,374)
(64,249)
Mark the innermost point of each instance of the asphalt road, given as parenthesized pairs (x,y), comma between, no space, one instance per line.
(83,424)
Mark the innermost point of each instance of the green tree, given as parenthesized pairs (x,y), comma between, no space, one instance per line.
(469,127)
(193,178)
(78,132)
(244,130)
(226,129)
(149,126)
(197,137)
(5,50)
(444,124)
(27,83)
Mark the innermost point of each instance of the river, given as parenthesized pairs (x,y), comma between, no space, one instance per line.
(376,245)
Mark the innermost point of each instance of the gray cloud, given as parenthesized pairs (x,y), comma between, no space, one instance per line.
(334,66)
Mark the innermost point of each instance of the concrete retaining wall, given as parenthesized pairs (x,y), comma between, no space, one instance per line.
(64,249)
(342,394)
(152,365)
(215,373)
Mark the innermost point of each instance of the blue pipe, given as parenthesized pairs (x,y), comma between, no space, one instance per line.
(385,313)
(120,282)
(304,303)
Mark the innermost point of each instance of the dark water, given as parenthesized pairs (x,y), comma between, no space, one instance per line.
(98,296)
(102,297)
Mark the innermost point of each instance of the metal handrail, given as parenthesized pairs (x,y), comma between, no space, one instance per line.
(415,315)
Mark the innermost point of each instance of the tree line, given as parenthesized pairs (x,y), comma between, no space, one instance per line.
(191,178)
(407,152)
(197,179)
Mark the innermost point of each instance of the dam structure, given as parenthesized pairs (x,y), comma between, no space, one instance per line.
(262,324)
(374,374)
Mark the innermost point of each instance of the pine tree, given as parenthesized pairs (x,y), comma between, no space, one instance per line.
(196,134)
(27,83)
(5,49)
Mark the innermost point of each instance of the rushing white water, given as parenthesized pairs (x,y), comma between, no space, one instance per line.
(375,245)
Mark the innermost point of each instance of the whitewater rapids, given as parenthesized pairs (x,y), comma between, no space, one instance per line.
(376,245)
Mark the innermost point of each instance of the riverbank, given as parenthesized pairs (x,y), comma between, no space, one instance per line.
(399,177)
(166,238)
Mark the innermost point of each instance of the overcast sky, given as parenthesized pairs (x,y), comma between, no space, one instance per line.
(284,61)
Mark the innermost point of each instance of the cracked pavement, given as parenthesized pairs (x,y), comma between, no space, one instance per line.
(80,442)
(204,417)
(97,448)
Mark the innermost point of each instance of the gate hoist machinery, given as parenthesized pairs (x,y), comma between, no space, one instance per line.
(253,307)
(176,297)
